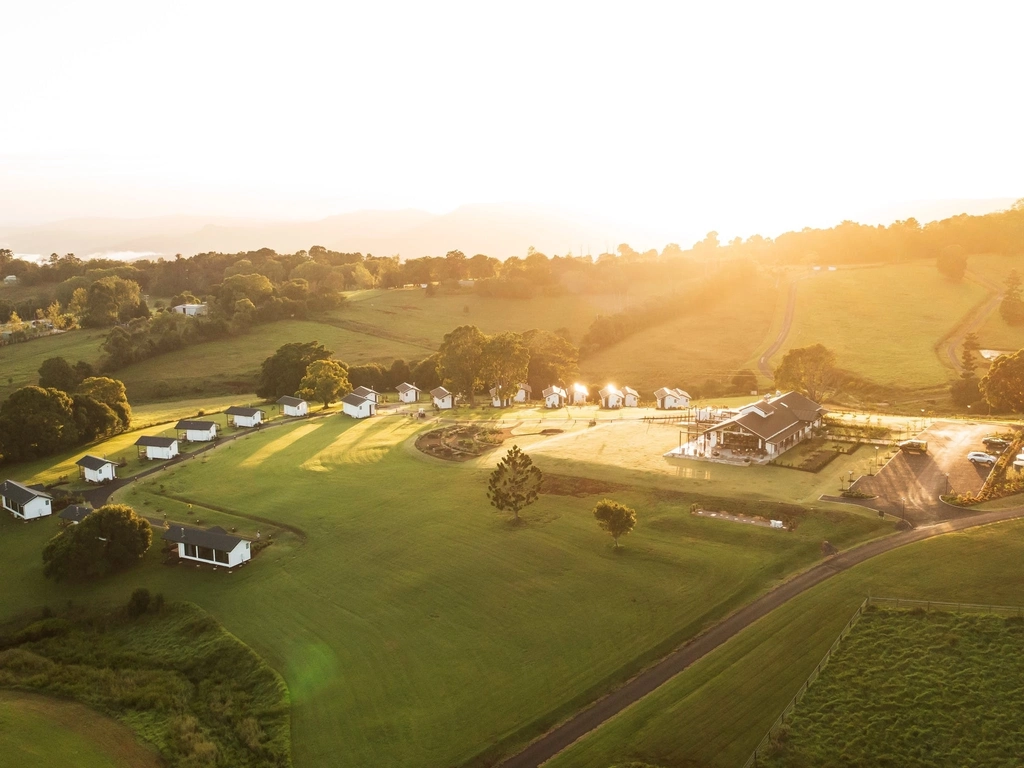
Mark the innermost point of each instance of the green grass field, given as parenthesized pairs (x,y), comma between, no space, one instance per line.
(714,713)
(19,363)
(882,322)
(41,732)
(411,623)
(914,689)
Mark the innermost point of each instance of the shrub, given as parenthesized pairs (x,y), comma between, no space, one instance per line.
(139,602)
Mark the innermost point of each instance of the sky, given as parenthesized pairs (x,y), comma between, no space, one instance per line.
(738,117)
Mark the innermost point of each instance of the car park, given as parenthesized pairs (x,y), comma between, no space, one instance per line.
(997,444)
(980,457)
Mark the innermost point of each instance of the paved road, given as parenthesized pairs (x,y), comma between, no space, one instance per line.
(562,736)
(973,322)
(764,363)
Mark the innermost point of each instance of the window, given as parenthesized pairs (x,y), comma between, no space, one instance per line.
(220,556)
(190,550)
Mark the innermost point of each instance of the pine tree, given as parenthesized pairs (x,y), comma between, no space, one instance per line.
(515,483)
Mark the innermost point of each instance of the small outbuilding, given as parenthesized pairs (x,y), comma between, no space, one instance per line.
(368,394)
(74,513)
(579,394)
(408,393)
(669,398)
(11,280)
(195,431)
(611,397)
(630,397)
(214,546)
(24,502)
(500,400)
(156,447)
(293,406)
(443,399)
(190,309)
(525,393)
(358,407)
(245,417)
(94,469)
(554,397)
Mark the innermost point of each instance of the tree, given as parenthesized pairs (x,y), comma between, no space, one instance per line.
(57,373)
(110,539)
(110,300)
(553,359)
(282,372)
(325,381)
(952,262)
(425,375)
(810,370)
(968,363)
(615,518)
(1003,385)
(971,341)
(1011,308)
(460,359)
(111,393)
(36,422)
(515,483)
(745,381)
(506,362)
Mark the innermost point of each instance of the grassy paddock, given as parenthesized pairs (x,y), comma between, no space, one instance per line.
(913,688)
(19,363)
(714,713)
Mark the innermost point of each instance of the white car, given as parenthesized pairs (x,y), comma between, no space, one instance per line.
(979,457)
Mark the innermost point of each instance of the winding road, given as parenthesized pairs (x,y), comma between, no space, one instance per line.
(557,739)
(764,362)
(973,321)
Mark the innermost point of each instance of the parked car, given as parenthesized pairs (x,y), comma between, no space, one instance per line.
(996,444)
(914,446)
(980,457)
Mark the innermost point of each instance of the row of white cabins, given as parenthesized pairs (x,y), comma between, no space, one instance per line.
(611,397)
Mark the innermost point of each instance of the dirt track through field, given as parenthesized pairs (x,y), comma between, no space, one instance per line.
(764,362)
(578,726)
(973,321)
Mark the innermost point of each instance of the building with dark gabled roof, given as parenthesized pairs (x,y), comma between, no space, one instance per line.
(23,501)
(670,398)
(293,406)
(442,398)
(630,397)
(244,417)
(554,397)
(358,407)
(156,447)
(408,393)
(196,431)
(94,469)
(525,393)
(214,546)
(74,513)
(367,393)
(611,396)
(767,427)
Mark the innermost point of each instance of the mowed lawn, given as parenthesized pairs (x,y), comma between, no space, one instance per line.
(711,344)
(19,363)
(882,322)
(714,713)
(41,732)
(413,625)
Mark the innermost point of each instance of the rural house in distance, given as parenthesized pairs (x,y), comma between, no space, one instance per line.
(214,546)
(671,398)
(196,431)
(293,406)
(408,393)
(23,502)
(611,397)
(155,447)
(93,469)
(554,397)
(244,417)
(367,394)
(358,407)
(442,398)
(189,309)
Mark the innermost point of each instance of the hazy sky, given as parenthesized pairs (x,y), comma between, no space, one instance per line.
(743,117)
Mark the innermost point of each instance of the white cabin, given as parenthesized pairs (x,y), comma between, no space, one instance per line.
(408,393)
(245,417)
(358,407)
(293,406)
(11,280)
(154,447)
(611,397)
(579,394)
(630,397)
(367,394)
(213,547)
(500,401)
(195,431)
(669,398)
(525,394)
(93,469)
(190,309)
(23,502)
(554,397)
(443,399)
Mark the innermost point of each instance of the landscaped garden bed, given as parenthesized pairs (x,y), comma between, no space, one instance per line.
(462,442)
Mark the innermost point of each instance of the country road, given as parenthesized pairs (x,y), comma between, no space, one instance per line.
(562,736)
(764,362)
(973,321)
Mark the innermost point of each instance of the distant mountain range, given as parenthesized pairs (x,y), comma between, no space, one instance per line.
(499,230)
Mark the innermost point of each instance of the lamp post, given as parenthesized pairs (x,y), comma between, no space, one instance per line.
(876,458)
(903,509)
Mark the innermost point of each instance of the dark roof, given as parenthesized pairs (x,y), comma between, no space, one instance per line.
(439,392)
(670,392)
(784,415)
(238,410)
(353,399)
(93,462)
(364,391)
(214,538)
(552,390)
(22,494)
(294,402)
(403,387)
(202,426)
(75,512)
(526,387)
(156,441)
(802,407)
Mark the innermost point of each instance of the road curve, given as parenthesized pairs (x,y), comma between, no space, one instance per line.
(557,739)
(973,322)
(764,362)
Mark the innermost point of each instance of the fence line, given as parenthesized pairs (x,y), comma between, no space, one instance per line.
(896,602)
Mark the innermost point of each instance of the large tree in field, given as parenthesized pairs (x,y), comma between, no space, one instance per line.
(36,422)
(325,381)
(810,370)
(515,483)
(460,359)
(1012,306)
(58,373)
(615,518)
(506,363)
(282,372)
(553,359)
(110,539)
(111,393)
(1003,385)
